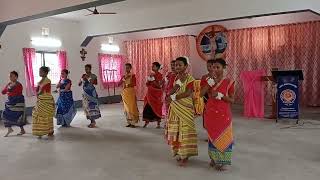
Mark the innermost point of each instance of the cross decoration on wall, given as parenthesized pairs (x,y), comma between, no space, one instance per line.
(83,53)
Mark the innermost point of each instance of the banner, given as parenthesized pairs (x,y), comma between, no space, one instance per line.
(287,97)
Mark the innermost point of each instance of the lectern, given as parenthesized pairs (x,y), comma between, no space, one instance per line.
(288,93)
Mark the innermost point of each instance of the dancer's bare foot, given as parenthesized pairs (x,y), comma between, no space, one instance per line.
(10,130)
(22,132)
(220,168)
(183,162)
(51,134)
(92,125)
(212,163)
(145,125)
(158,125)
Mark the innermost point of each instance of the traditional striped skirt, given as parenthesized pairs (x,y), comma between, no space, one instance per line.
(181,130)
(42,115)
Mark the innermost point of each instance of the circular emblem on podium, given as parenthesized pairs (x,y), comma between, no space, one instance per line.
(212,42)
(288,96)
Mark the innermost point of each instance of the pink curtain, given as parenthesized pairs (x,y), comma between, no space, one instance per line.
(62,57)
(142,53)
(253,88)
(291,46)
(110,68)
(29,57)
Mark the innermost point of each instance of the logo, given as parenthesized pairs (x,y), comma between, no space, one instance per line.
(288,96)
(212,42)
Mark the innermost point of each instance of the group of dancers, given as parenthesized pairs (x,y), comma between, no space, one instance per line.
(178,88)
(174,93)
(45,109)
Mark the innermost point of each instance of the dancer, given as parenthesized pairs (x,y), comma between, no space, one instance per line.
(181,132)
(218,120)
(153,100)
(14,112)
(90,97)
(129,97)
(169,81)
(204,79)
(43,112)
(66,110)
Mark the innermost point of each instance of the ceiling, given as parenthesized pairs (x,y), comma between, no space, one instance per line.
(124,7)
(230,24)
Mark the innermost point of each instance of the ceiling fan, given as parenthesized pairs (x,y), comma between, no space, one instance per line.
(96,12)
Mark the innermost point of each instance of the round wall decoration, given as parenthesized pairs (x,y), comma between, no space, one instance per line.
(212,42)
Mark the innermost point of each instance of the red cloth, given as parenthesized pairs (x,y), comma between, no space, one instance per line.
(142,53)
(288,46)
(157,83)
(45,89)
(170,81)
(133,80)
(108,62)
(204,81)
(218,117)
(253,88)
(14,91)
(154,94)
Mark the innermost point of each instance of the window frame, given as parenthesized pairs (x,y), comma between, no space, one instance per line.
(43,60)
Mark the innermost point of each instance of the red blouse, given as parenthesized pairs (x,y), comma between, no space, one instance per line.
(204,81)
(157,82)
(133,81)
(170,84)
(16,90)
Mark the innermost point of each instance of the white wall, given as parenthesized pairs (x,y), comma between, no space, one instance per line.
(18,36)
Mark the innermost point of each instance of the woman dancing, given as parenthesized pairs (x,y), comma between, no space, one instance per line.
(129,97)
(66,110)
(181,132)
(14,112)
(43,112)
(152,111)
(90,101)
(218,119)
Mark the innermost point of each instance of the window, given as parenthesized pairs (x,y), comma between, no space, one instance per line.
(49,59)
(110,68)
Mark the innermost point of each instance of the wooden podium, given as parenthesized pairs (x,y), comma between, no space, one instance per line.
(273,103)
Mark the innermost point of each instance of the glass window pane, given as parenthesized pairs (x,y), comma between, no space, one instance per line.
(51,61)
(36,66)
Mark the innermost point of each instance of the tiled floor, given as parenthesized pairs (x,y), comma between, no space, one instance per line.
(263,151)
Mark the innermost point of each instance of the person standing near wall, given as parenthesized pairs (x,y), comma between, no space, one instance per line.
(14,112)
(90,101)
